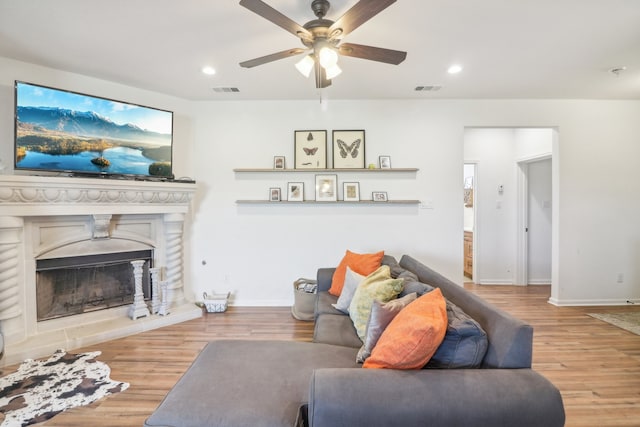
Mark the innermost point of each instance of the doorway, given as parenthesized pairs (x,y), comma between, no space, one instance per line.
(469,179)
(502,232)
(534,221)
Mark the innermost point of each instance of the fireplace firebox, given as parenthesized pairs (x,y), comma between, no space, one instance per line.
(80,284)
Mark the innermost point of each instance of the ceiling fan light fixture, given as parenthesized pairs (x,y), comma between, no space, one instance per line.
(328,57)
(333,71)
(305,65)
(322,37)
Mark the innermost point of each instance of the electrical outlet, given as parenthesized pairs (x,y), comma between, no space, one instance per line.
(620,278)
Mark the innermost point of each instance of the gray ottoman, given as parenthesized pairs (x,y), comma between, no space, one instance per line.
(247,383)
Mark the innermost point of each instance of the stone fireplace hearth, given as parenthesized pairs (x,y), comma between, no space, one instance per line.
(48,218)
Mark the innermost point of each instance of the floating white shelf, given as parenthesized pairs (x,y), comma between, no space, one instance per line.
(327,170)
(321,171)
(339,202)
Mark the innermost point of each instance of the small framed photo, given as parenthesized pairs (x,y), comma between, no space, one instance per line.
(326,188)
(351,191)
(385,162)
(348,149)
(310,151)
(295,192)
(278,162)
(379,196)
(274,194)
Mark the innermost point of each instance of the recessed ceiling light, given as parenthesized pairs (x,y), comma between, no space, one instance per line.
(454,69)
(209,71)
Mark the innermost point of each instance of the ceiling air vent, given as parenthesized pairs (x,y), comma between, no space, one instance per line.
(226,89)
(427,88)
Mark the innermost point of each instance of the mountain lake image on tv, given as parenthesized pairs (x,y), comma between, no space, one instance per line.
(63,131)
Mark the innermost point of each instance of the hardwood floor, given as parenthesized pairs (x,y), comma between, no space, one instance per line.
(595,365)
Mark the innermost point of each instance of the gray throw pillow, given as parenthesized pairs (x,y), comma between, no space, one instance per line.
(351,282)
(411,286)
(381,315)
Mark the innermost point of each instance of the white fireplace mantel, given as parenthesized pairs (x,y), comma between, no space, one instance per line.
(41,215)
(27,195)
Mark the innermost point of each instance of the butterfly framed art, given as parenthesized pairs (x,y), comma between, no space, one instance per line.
(348,149)
(310,150)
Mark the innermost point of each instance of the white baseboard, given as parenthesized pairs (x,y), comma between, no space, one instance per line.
(539,281)
(241,302)
(496,282)
(588,303)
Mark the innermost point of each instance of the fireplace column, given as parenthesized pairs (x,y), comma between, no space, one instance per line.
(10,248)
(174,224)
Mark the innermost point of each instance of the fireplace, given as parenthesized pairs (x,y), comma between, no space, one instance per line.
(66,243)
(81,284)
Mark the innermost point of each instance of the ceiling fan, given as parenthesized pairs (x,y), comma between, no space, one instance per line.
(322,38)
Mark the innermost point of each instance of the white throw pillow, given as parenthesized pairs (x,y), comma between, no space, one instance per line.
(351,282)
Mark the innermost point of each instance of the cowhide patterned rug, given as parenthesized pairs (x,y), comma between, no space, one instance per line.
(40,389)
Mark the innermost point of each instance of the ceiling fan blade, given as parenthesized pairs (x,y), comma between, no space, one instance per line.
(372,53)
(321,77)
(273,57)
(360,13)
(270,14)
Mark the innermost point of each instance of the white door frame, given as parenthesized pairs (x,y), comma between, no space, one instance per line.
(522,222)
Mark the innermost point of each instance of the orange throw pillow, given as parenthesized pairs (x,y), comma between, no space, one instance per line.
(413,336)
(363,264)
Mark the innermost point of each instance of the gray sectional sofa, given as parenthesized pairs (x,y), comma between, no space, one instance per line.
(275,383)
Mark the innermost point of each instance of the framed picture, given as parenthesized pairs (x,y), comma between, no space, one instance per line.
(385,162)
(351,191)
(278,162)
(295,192)
(274,194)
(379,196)
(326,188)
(310,151)
(348,149)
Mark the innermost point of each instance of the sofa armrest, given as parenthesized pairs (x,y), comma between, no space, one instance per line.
(324,278)
(460,397)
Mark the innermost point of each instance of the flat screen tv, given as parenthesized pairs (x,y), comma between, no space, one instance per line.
(77,134)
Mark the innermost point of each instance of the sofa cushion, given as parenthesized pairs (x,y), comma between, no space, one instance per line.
(247,383)
(413,336)
(419,288)
(364,264)
(464,344)
(351,282)
(336,329)
(377,286)
(324,304)
(398,272)
(381,315)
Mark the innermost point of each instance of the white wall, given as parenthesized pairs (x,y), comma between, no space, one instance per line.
(258,251)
